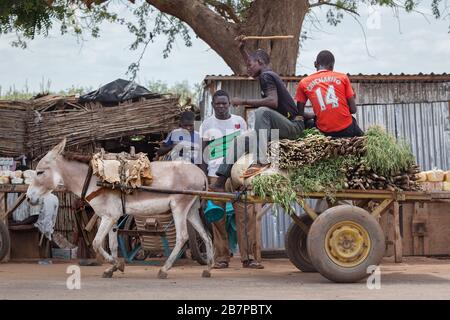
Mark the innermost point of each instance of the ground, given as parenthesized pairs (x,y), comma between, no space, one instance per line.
(415,278)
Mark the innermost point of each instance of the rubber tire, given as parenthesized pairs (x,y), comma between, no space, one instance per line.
(196,244)
(296,245)
(316,241)
(5,242)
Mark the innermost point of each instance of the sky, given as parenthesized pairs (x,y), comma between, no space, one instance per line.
(379,43)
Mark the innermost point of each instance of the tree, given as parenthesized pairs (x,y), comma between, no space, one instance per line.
(217,22)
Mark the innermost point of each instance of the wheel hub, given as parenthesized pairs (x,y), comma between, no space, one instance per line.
(347,243)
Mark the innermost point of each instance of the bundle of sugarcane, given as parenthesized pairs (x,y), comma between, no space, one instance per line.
(376,161)
(360,176)
(297,153)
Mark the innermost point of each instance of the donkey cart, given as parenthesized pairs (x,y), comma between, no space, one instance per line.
(137,237)
(344,241)
(340,243)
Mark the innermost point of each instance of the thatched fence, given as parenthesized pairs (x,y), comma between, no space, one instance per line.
(32,127)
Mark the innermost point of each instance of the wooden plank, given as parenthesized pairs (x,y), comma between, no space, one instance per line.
(398,249)
(14,206)
(22,188)
(268,37)
(309,211)
(91,223)
(416,238)
(382,207)
(4,219)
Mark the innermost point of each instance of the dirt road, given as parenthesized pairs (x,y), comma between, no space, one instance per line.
(416,278)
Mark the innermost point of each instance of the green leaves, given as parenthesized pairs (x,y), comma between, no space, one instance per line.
(277,187)
(385,155)
(29,18)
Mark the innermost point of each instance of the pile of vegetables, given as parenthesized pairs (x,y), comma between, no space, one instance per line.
(315,163)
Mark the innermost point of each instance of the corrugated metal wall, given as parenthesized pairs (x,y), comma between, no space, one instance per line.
(415,111)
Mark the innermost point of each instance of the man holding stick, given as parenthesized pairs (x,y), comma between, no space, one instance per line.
(275,110)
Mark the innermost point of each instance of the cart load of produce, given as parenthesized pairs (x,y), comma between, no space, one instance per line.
(315,163)
(122,168)
(434,180)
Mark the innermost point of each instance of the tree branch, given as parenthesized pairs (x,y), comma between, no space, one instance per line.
(224,10)
(210,26)
(326,2)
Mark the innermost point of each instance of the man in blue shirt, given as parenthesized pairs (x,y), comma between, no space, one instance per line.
(182,143)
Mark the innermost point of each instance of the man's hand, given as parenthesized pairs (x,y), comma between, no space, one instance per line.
(241,41)
(237,102)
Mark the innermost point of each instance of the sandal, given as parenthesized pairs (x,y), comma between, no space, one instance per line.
(221,265)
(252,264)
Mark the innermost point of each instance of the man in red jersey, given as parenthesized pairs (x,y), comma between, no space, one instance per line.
(332,99)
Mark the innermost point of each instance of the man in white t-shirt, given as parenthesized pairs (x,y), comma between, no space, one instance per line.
(218,133)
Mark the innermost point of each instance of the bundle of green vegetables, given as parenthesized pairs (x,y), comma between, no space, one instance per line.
(375,161)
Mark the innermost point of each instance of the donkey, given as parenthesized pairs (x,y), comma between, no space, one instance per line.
(54,168)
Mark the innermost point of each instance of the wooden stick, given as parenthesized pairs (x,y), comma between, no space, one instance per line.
(91,223)
(268,37)
(209,194)
(15,206)
(398,248)
(41,239)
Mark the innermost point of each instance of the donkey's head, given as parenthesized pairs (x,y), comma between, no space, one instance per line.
(47,177)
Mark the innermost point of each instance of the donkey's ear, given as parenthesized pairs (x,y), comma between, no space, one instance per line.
(58,149)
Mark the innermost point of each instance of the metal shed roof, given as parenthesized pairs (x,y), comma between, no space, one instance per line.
(361,78)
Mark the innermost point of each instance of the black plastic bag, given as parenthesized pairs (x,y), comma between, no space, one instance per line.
(118,91)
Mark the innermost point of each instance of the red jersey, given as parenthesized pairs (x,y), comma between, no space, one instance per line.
(328,92)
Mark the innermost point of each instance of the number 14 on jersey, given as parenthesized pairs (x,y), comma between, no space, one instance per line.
(330,98)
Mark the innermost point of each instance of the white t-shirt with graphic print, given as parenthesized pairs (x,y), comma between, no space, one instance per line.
(219,134)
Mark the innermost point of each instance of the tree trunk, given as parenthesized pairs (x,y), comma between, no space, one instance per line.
(281,17)
(263,18)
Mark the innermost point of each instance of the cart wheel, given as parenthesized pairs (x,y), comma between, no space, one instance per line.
(196,244)
(4,241)
(343,242)
(296,245)
(132,241)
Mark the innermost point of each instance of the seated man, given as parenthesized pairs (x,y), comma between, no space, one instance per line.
(218,132)
(182,143)
(276,110)
(332,99)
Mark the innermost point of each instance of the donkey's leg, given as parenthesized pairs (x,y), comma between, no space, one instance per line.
(179,212)
(106,225)
(113,246)
(196,222)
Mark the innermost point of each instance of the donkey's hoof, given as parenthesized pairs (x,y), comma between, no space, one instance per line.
(107,274)
(162,274)
(206,274)
(121,265)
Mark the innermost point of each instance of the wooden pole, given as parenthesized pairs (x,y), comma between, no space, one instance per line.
(91,223)
(398,248)
(4,217)
(210,195)
(268,37)
(14,206)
